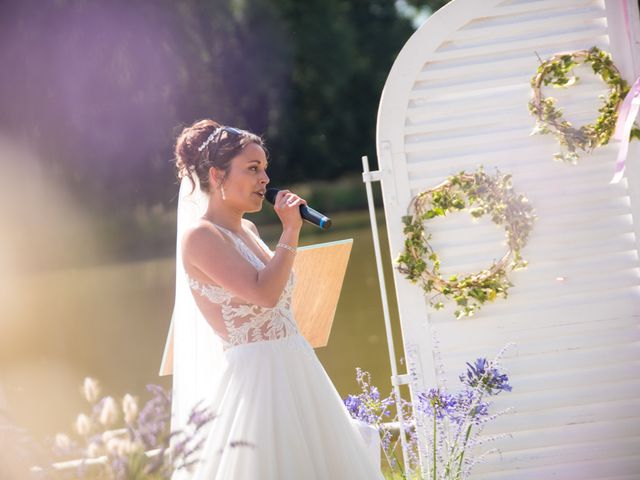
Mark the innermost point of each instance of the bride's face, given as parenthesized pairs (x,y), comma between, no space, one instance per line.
(246,182)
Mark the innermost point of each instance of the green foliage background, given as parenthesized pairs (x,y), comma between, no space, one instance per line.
(93,94)
(99,90)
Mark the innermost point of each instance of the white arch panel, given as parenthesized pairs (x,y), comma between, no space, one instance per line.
(456,98)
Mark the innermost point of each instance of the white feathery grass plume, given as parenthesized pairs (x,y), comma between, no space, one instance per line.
(109,413)
(91,389)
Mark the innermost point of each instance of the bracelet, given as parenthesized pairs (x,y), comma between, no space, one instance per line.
(286,247)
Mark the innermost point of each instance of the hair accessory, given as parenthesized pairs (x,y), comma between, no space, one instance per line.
(286,247)
(209,139)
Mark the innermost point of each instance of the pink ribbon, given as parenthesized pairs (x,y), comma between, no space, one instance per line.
(627,114)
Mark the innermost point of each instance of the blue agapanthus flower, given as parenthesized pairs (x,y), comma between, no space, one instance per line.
(490,379)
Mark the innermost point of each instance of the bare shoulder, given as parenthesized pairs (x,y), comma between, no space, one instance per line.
(210,256)
(198,237)
(251,225)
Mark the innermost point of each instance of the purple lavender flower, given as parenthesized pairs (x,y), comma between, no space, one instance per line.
(437,402)
(385,439)
(464,414)
(367,406)
(200,416)
(360,410)
(482,373)
(374,393)
(354,406)
(125,448)
(469,405)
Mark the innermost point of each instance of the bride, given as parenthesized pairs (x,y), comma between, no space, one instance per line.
(236,344)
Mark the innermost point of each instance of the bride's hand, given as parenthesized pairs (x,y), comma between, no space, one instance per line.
(287,207)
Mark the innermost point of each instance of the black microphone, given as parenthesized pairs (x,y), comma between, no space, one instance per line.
(307,213)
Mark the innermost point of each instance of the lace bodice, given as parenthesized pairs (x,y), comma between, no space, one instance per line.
(246,322)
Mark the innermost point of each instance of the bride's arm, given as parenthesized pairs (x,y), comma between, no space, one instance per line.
(218,259)
(209,251)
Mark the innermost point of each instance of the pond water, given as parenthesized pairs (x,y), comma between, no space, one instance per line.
(110,322)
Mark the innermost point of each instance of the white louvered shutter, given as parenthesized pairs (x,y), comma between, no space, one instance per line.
(456,98)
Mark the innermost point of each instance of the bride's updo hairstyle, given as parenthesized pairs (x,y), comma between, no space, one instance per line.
(207,144)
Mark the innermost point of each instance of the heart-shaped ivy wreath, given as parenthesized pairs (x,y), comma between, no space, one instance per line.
(556,71)
(482,194)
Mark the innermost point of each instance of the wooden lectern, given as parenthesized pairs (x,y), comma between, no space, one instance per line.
(319,273)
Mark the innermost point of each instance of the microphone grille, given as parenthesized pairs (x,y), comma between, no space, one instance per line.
(270,195)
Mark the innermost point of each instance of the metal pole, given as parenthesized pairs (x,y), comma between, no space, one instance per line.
(385,309)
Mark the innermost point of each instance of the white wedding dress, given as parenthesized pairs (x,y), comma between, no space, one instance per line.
(278,416)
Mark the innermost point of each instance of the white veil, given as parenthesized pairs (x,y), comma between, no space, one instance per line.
(197,351)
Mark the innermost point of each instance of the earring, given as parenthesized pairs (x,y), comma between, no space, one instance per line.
(222,192)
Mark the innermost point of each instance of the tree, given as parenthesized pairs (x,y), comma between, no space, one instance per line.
(101,89)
